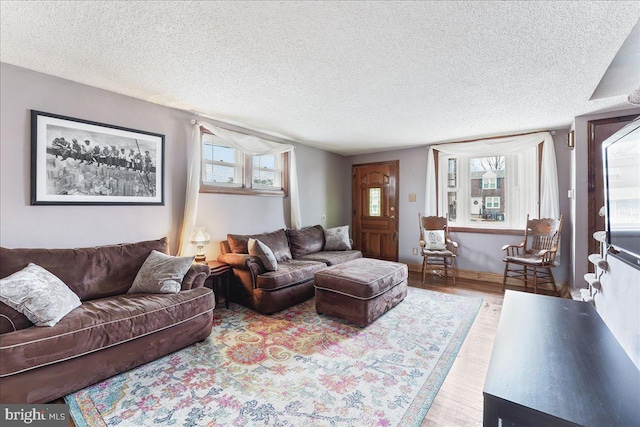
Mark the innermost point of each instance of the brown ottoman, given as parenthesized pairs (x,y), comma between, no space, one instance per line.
(360,290)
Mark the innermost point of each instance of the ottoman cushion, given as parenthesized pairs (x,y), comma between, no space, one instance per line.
(360,290)
(363,278)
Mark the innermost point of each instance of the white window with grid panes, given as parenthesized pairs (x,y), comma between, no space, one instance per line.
(488,191)
(221,165)
(227,170)
(266,171)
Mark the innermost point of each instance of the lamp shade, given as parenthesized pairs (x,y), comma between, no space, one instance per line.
(200,236)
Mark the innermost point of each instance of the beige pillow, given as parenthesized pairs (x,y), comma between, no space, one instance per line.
(264,254)
(337,239)
(434,240)
(38,294)
(161,274)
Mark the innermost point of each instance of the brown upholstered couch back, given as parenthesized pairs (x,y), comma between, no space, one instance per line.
(91,273)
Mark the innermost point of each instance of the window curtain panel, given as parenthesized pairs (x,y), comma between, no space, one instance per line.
(247,144)
(510,145)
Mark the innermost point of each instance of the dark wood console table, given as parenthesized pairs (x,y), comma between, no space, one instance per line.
(555,363)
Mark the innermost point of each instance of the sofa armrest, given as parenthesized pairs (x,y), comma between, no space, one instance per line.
(242,261)
(195,277)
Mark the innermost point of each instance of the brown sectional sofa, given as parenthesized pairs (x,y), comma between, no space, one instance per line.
(300,253)
(111,331)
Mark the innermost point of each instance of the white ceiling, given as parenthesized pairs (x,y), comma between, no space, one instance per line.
(348,77)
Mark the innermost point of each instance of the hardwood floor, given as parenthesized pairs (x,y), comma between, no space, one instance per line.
(459,401)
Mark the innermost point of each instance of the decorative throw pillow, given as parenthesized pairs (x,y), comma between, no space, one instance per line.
(434,240)
(38,294)
(161,274)
(337,239)
(262,251)
(306,241)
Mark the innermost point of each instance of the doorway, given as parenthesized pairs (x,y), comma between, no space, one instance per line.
(374,191)
(598,131)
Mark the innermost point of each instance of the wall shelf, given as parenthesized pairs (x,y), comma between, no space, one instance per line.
(598,261)
(592,280)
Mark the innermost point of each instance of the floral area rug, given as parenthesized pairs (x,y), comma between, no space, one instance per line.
(294,368)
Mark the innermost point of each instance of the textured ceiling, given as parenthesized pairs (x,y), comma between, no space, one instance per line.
(348,77)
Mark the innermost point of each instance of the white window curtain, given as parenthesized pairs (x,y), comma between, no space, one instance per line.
(510,145)
(247,144)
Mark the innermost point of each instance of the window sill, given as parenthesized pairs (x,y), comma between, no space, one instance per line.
(502,231)
(242,191)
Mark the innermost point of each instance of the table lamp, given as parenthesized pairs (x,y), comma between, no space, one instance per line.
(200,237)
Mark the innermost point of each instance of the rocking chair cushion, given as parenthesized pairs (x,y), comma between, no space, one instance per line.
(443,252)
(530,259)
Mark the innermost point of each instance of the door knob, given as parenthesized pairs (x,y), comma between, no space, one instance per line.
(393,217)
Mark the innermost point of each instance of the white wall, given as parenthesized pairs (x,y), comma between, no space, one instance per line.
(23,225)
(618,304)
(618,301)
(478,252)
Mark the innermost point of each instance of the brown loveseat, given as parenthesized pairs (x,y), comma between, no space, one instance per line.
(111,331)
(300,253)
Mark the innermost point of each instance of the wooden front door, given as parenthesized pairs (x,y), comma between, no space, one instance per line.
(599,130)
(375,209)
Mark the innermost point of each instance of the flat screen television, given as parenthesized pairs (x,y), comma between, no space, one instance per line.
(621,156)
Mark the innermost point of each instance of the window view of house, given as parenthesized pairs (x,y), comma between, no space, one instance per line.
(475,195)
(487,188)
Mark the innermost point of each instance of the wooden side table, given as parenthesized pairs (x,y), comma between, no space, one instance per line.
(219,277)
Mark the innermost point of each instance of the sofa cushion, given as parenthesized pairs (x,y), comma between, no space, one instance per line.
(276,241)
(97,272)
(238,243)
(306,241)
(161,273)
(289,273)
(332,257)
(100,324)
(38,294)
(337,239)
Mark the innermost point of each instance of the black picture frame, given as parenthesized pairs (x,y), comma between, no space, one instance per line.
(81,162)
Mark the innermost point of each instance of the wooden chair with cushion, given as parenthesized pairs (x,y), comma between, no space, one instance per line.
(533,258)
(438,251)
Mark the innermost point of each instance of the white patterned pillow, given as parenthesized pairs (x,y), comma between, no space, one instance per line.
(38,294)
(161,274)
(264,253)
(337,239)
(434,240)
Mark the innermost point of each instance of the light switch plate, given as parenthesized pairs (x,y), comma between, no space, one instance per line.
(412,197)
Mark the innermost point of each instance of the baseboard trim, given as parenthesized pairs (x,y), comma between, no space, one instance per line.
(494,278)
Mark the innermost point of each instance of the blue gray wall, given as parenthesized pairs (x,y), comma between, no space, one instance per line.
(22,225)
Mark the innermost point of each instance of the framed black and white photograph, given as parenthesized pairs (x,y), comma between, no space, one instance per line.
(79,162)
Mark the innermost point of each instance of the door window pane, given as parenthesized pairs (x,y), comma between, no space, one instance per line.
(375,202)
